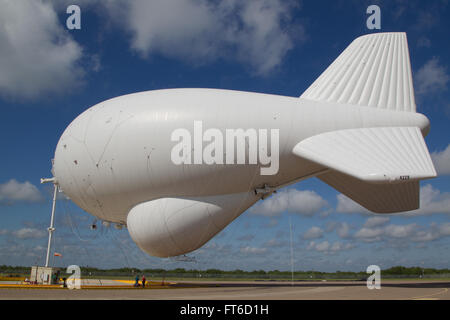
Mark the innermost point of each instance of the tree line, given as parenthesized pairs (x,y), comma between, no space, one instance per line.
(396,270)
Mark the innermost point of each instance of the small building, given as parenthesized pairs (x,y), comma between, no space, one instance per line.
(44,275)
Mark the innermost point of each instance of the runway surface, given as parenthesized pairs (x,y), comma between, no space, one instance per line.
(257,290)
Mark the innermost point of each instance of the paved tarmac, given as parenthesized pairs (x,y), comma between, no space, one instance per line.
(257,290)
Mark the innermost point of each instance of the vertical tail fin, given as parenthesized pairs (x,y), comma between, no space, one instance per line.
(374,70)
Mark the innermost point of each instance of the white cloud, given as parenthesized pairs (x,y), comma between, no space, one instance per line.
(273,243)
(343,230)
(369,234)
(426,235)
(444,229)
(253,250)
(408,232)
(37,55)
(339,246)
(322,246)
(441,161)
(253,32)
(433,233)
(347,205)
(432,201)
(400,231)
(327,247)
(294,201)
(28,233)
(431,77)
(313,233)
(14,191)
(376,221)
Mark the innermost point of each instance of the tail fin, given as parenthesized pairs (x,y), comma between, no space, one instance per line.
(379,168)
(374,70)
(378,198)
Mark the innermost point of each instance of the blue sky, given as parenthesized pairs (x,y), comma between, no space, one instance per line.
(49,75)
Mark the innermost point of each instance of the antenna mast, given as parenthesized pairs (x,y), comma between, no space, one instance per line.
(51,228)
(292,253)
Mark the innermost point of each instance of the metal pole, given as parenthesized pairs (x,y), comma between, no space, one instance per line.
(51,228)
(292,253)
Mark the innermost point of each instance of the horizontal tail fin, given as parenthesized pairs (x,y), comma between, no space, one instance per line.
(378,198)
(377,155)
(377,167)
(374,70)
